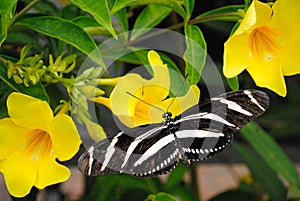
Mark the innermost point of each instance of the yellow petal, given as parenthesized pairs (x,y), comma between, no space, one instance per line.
(123,104)
(189,100)
(286,13)
(64,136)
(181,104)
(128,121)
(257,14)
(10,134)
(29,112)
(160,71)
(269,75)
(236,55)
(152,93)
(290,52)
(120,99)
(154,58)
(50,172)
(19,172)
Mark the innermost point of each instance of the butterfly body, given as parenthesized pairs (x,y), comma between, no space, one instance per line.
(197,134)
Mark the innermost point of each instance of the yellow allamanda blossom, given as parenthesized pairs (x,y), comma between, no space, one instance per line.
(31,140)
(127,100)
(266,44)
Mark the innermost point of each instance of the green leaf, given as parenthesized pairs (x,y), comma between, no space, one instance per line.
(130,182)
(66,31)
(233,83)
(160,197)
(7,11)
(195,53)
(174,4)
(223,10)
(184,192)
(151,16)
(293,192)
(235,27)
(121,16)
(247,2)
(271,152)
(37,91)
(105,188)
(175,177)
(3,108)
(262,174)
(99,10)
(90,26)
(233,195)
(189,7)
(85,21)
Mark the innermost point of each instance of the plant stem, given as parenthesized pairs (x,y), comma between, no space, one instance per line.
(231,16)
(151,185)
(29,6)
(3,60)
(195,182)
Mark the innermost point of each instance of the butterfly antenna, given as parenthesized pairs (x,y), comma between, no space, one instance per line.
(176,93)
(145,102)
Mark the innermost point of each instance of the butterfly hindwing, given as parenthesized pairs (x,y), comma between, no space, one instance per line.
(143,151)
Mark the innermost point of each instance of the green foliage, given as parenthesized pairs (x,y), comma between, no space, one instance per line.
(7,9)
(174,4)
(189,7)
(262,173)
(160,197)
(66,31)
(151,16)
(99,10)
(8,85)
(233,83)
(195,53)
(271,152)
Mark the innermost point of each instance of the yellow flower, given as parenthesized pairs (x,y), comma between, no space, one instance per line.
(30,142)
(133,111)
(266,44)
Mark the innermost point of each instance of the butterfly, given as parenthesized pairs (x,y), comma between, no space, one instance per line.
(197,134)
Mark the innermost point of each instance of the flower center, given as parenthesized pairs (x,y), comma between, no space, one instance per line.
(264,43)
(141,113)
(38,144)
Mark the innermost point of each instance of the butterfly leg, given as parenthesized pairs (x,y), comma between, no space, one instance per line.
(182,155)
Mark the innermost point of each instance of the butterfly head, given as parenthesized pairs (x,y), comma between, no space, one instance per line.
(167,116)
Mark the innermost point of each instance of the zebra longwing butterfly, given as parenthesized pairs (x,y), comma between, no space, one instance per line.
(198,133)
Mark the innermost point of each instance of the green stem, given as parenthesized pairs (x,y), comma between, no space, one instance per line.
(65,81)
(29,6)
(231,16)
(151,185)
(3,60)
(195,181)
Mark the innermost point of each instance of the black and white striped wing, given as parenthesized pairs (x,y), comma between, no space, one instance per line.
(143,152)
(208,129)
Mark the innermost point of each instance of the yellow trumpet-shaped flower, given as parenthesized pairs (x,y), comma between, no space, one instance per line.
(30,142)
(129,97)
(266,44)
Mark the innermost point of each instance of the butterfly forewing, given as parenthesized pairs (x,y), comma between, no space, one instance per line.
(217,120)
(197,134)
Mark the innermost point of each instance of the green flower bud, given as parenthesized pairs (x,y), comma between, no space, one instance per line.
(17,79)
